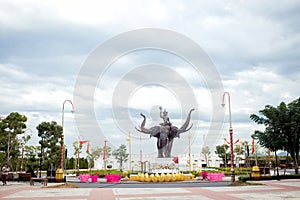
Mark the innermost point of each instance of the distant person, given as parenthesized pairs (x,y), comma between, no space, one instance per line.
(5,170)
(31,171)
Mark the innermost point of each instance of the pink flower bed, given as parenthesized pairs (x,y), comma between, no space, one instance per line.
(112,177)
(215,176)
(84,177)
(94,179)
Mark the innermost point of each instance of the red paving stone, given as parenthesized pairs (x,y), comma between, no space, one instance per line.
(223,193)
(102,194)
(213,195)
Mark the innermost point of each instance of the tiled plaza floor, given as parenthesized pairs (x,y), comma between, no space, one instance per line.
(284,189)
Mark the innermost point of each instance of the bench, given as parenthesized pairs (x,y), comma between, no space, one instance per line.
(42,180)
(10,176)
(24,177)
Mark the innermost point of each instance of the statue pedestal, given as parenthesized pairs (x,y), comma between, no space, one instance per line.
(164,165)
(164,161)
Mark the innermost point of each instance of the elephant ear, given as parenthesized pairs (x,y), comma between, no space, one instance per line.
(154,131)
(174,132)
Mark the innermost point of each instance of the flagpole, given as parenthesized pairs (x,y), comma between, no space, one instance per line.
(104,154)
(88,155)
(254,152)
(141,155)
(78,157)
(80,143)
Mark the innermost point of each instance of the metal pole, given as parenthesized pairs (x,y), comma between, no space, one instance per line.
(129,144)
(190,163)
(231,156)
(141,155)
(104,154)
(225,164)
(231,137)
(78,156)
(62,149)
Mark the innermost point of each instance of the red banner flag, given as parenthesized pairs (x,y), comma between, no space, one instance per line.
(253,150)
(88,148)
(175,160)
(82,142)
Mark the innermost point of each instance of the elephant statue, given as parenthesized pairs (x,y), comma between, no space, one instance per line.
(165,133)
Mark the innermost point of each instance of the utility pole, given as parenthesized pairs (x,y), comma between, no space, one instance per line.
(190,151)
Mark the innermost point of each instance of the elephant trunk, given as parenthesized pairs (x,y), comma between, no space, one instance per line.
(153,131)
(184,127)
(143,129)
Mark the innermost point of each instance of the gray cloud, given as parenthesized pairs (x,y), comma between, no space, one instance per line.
(254,44)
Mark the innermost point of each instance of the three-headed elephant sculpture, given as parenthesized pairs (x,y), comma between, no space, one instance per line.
(165,133)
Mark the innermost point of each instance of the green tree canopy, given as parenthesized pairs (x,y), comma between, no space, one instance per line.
(206,151)
(50,134)
(10,127)
(96,153)
(222,152)
(282,128)
(121,155)
(31,158)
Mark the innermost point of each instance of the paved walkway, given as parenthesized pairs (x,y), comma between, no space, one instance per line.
(284,189)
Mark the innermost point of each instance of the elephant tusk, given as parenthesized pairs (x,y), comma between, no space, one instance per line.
(189,128)
(138,129)
(183,131)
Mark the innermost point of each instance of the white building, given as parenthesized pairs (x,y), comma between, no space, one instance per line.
(150,161)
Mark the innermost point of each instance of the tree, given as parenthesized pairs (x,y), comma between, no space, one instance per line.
(121,155)
(31,156)
(222,152)
(282,129)
(240,150)
(71,163)
(77,150)
(205,151)
(272,137)
(95,154)
(294,136)
(50,134)
(10,127)
(108,152)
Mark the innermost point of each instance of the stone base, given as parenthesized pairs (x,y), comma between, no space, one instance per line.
(164,161)
(163,165)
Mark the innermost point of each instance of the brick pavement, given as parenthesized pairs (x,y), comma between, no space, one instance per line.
(270,190)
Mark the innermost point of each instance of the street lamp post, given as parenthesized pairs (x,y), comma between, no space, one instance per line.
(129,146)
(62,149)
(230,134)
(28,129)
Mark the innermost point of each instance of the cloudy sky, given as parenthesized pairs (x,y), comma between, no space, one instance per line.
(46,48)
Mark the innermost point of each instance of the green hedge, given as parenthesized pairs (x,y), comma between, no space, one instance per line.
(250,178)
(237,171)
(101,173)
